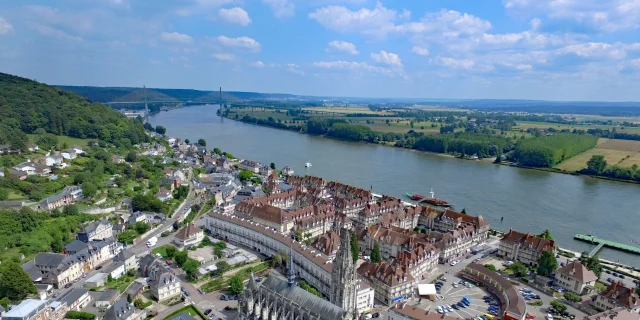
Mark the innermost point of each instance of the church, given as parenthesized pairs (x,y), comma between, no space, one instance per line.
(277,298)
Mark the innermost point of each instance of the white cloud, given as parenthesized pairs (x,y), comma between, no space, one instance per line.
(5,26)
(593,50)
(457,63)
(235,15)
(240,43)
(607,16)
(377,21)
(201,6)
(294,68)
(388,58)
(635,63)
(420,50)
(342,46)
(451,23)
(281,8)
(224,56)
(352,66)
(257,64)
(176,37)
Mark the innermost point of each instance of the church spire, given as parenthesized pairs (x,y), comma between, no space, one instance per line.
(291,277)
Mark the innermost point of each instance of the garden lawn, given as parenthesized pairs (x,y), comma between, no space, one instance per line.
(190,309)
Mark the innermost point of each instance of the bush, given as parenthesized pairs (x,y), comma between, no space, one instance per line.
(79,315)
(570,296)
(490,267)
(560,307)
(535,303)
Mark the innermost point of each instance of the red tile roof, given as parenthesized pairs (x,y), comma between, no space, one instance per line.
(528,240)
(578,271)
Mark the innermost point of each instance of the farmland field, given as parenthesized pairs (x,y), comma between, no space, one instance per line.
(624,153)
(346,110)
(524,125)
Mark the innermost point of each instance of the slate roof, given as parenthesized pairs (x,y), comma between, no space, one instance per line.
(121,310)
(108,295)
(72,296)
(124,255)
(577,271)
(317,305)
(92,227)
(187,231)
(75,246)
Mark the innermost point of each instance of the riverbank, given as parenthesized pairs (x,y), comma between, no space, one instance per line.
(527,199)
(300,129)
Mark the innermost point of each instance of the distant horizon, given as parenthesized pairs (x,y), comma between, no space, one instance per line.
(356,97)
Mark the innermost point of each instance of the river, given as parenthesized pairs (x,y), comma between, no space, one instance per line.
(529,200)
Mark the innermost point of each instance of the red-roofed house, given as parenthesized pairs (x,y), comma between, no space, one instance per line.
(524,247)
(576,277)
(617,295)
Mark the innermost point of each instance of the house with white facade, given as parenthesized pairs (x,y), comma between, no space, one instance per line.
(576,277)
(189,235)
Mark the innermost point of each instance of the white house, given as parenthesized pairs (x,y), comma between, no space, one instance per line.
(77,149)
(119,271)
(69,154)
(26,167)
(188,236)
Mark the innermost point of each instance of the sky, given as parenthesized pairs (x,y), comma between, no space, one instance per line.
(580,50)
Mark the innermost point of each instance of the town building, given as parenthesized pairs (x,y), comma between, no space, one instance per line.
(522,247)
(617,295)
(311,265)
(328,243)
(164,194)
(511,301)
(576,277)
(99,230)
(249,165)
(76,299)
(128,258)
(163,285)
(122,310)
(618,313)
(30,309)
(189,235)
(105,300)
(364,296)
(391,282)
(279,298)
(402,311)
(287,171)
(56,201)
(53,268)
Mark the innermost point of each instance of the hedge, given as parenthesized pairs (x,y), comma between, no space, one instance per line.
(79,315)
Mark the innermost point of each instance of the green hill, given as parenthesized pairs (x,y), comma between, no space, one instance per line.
(26,106)
(152,95)
(99,94)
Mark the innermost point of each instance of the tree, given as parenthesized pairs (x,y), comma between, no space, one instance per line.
(223,267)
(235,285)
(547,264)
(273,166)
(180,257)
(558,306)
(71,210)
(138,303)
(596,164)
(171,251)
(89,189)
(190,267)
(129,298)
(217,151)
(132,156)
(375,253)
(109,277)
(15,283)
(4,193)
(591,263)
(355,247)
(490,267)
(202,142)
(519,269)
(57,245)
(142,227)
(161,130)
(186,141)
(218,252)
(546,234)
(245,175)
(127,236)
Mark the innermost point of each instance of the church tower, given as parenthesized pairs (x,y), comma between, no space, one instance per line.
(343,276)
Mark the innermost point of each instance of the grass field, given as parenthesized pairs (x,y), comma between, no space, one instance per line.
(346,110)
(191,310)
(624,153)
(161,250)
(524,125)
(436,108)
(14,195)
(64,139)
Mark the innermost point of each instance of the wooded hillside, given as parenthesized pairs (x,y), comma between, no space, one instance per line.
(548,151)
(27,105)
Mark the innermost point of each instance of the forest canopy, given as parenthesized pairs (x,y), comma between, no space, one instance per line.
(27,105)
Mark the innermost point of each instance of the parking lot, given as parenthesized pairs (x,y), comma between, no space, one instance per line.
(450,300)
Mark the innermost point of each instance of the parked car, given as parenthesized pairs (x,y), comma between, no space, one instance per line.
(621,276)
(530,316)
(68,285)
(206,312)
(607,271)
(223,297)
(98,267)
(376,315)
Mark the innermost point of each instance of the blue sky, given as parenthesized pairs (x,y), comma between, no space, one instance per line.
(522,49)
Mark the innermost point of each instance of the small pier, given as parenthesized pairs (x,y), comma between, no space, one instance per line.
(606,243)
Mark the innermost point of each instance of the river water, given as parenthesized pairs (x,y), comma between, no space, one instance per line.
(529,200)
